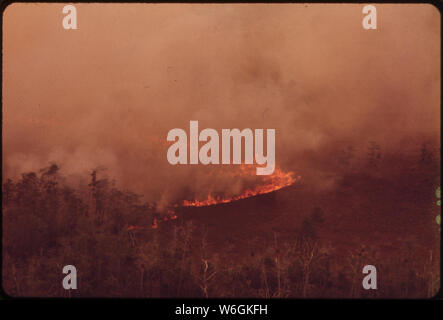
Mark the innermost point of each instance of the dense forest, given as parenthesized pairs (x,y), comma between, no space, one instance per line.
(123,247)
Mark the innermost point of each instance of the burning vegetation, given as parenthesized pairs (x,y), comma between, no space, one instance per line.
(278,180)
(305,242)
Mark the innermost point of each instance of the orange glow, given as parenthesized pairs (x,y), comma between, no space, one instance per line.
(279,179)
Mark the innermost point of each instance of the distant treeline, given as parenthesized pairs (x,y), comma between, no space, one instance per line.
(47,225)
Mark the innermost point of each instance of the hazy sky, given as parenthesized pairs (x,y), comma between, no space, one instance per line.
(107,93)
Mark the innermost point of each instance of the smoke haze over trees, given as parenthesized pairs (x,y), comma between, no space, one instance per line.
(108,93)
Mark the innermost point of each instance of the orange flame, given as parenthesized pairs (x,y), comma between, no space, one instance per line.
(171,216)
(279,179)
(155,222)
